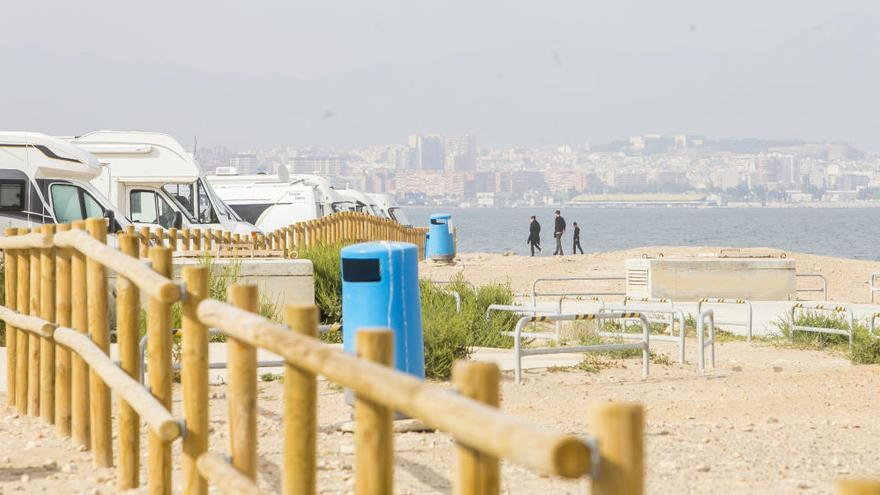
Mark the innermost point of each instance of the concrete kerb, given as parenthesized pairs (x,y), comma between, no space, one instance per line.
(747,323)
(518,334)
(841,308)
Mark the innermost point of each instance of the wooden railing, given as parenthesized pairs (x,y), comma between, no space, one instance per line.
(286,242)
(56,289)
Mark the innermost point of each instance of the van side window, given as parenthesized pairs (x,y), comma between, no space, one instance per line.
(149,207)
(12,195)
(72,203)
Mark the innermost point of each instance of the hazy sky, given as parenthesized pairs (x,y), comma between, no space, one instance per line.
(673,48)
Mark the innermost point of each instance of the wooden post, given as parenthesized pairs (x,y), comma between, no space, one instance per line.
(373,431)
(79,376)
(47,346)
(23,300)
(10,277)
(857,486)
(172,239)
(300,412)
(62,354)
(478,473)
(194,379)
(99,331)
(33,396)
(197,239)
(184,240)
(619,429)
(243,389)
(128,306)
(282,241)
(145,242)
(227,238)
(159,352)
(209,239)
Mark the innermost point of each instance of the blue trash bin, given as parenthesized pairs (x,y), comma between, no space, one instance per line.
(380,288)
(439,242)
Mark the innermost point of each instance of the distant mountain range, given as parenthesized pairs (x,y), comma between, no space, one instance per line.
(818,86)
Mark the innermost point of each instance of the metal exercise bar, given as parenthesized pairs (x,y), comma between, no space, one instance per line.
(707,315)
(748,305)
(823,289)
(595,278)
(644,344)
(673,313)
(872,331)
(874,288)
(841,308)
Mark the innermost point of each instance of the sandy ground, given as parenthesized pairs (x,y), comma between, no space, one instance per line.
(847,278)
(765,420)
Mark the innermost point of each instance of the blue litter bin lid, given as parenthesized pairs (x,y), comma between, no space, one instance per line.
(440,216)
(374,249)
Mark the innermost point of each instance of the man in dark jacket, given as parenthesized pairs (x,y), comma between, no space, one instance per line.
(534,240)
(558,230)
(576,239)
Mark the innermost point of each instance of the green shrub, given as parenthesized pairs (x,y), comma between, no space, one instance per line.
(865,347)
(328,280)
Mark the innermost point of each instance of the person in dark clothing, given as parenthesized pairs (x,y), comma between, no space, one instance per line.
(558,230)
(576,241)
(534,240)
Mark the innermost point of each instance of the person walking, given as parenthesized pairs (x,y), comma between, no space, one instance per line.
(534,240)
(576,239)
(558,230)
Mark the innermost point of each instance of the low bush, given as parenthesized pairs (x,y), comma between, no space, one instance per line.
(865,347)
(328,281)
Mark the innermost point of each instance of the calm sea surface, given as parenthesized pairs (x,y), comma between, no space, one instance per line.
(840,232)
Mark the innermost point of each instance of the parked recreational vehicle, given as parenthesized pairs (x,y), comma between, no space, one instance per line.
(151,178)
(47,180)
(363,202)
(387,204)
(270,202)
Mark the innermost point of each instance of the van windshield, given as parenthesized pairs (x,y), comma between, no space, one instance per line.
(193,198)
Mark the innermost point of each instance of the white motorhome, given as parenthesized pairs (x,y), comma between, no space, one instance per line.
(363,202)
(272,201)
(47,180)
(156,182)
(388,205)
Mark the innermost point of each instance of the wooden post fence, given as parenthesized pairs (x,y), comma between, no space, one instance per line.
(79,372)
(194,379)
(159,351)
(62,354)
(128,308)
(374,434)
(33,362)
(243,389)
(10,277)
(21,353)
(99,331)
(478,473)
(300,412)
(47,346)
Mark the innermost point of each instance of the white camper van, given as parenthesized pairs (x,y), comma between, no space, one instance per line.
(271,202)
(387,204)
(47,180)
(363,202)
(156,182)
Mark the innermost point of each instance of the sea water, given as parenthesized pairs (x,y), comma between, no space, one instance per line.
(839,232)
